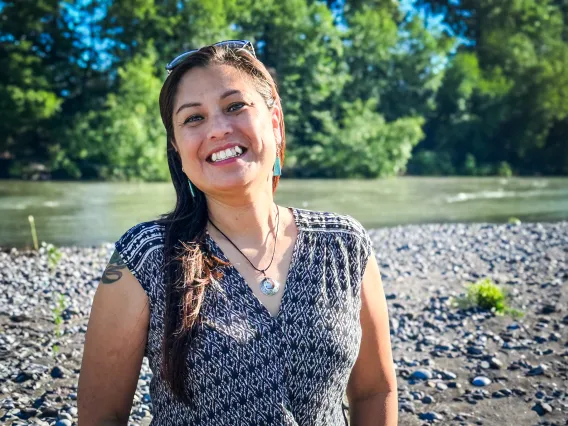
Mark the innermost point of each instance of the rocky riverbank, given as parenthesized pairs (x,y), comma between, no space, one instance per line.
(454,367)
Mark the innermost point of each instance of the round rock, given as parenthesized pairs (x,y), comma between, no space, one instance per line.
(480,381)
(422,374)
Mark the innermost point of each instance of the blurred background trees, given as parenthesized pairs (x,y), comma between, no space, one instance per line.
(369,88)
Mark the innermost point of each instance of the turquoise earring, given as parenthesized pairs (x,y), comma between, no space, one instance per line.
(277,171)
(190,185)
(191,188)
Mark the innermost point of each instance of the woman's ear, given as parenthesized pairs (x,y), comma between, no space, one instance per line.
(276,119)
(174,146)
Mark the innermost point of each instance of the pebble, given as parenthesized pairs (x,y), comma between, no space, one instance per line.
(542,408)
(422,374)
(480,381)
(57,372)
(407,407)
(430,416)
(495,363)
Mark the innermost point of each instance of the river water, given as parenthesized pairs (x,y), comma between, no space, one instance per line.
(84,214)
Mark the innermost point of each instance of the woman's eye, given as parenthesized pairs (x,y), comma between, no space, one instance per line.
(236,106)
(192,119)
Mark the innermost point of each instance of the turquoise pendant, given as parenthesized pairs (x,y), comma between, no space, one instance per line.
(269,286)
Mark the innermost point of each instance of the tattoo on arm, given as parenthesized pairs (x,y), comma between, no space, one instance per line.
(113,271)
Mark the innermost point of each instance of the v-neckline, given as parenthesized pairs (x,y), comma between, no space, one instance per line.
(248,290)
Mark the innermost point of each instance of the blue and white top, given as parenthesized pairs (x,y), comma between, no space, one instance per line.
(246,367)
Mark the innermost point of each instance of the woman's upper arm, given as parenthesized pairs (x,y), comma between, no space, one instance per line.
(114,346)
(373,371)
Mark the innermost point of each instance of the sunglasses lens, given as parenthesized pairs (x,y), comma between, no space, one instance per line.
(231,44)
(179,59)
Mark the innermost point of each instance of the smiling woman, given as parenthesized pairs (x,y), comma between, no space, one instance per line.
(249,312)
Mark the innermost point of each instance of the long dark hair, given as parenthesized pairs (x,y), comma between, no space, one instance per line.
(189,266)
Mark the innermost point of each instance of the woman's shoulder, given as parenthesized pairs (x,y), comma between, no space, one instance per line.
(326,221)
(143,233)
(138,243)
(357,240)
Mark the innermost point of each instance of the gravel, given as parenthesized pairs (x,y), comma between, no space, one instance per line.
(453,366)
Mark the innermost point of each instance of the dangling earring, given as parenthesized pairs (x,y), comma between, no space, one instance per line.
(190,185)
(277,171)
(191,188)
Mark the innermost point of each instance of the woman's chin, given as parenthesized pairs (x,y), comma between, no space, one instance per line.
(227,184)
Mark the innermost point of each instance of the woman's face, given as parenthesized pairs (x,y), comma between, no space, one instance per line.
(219,113)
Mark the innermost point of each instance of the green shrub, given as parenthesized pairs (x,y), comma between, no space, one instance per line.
(485,294)
(504,169)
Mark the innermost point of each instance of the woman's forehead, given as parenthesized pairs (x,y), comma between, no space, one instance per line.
(210,83)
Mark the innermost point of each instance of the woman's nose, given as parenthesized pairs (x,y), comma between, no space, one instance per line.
(219,127)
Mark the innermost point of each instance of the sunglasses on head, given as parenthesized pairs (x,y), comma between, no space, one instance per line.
(231,44)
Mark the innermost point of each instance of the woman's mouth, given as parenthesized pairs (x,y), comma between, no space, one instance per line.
(226,154)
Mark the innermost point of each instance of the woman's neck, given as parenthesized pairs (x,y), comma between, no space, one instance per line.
(247,223)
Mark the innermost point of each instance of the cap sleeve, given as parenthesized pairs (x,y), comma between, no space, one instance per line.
(366,249)
(138,248)
(360,249)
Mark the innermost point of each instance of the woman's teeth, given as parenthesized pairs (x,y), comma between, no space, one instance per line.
(226,153)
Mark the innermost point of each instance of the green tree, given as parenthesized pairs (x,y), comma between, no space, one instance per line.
(126,138)
(504,95)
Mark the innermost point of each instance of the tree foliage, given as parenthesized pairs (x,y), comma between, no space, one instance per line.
(504,98)
(368,88)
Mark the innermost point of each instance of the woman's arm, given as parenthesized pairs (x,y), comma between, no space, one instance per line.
(114,348)
(372,389)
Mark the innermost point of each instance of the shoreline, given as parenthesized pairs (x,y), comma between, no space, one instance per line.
(438,350)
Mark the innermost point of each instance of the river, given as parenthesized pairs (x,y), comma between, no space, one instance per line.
(85,214)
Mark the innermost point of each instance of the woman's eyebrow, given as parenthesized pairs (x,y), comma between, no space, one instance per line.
(194,104)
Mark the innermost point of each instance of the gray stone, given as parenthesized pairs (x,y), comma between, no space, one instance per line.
(430,416)
(537,371)
(57,373)
(542,408)
(495,363)
(480,381)
(422,374)
(441,386)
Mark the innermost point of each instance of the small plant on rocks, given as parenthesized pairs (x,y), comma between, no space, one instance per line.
(58,319)
(34,231)
(53,255)
(485,294)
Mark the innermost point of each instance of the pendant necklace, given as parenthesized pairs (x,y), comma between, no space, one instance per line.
(268,286)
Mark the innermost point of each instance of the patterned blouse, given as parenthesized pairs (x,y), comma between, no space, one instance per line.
(246,367)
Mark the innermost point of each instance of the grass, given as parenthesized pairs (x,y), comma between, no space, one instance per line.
(34,232)
(485,294)
(54,255)
(58,320)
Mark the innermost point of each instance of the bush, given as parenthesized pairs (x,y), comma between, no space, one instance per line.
(485,294)
(504,169)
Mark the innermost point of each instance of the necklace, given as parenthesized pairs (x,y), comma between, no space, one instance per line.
(268,286)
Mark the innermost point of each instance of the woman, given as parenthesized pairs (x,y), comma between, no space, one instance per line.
(250,313)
